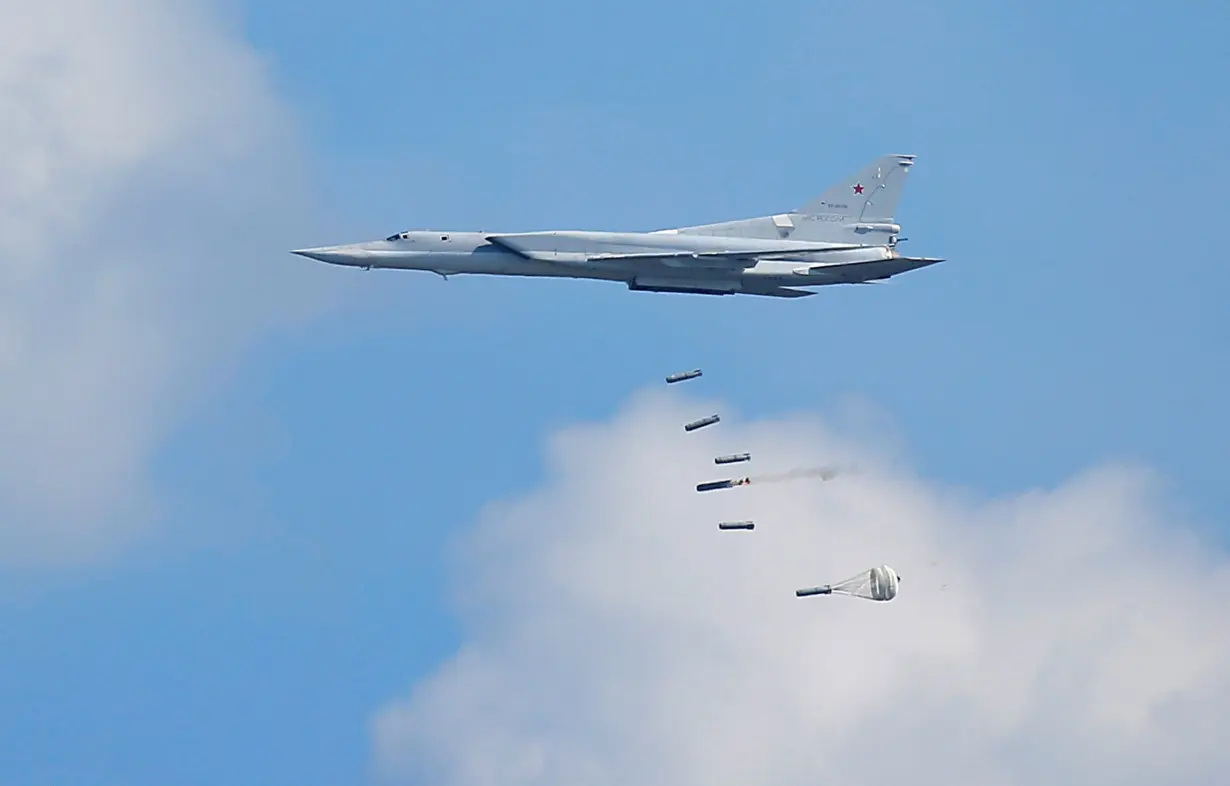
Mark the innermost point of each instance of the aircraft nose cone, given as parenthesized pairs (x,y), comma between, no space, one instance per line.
(333,255)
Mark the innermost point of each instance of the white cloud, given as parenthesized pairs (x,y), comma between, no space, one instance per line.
(147,183)
(614,636)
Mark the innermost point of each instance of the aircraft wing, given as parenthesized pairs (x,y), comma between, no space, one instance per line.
(737,259)
(751,254)
(777,291)
(862,272)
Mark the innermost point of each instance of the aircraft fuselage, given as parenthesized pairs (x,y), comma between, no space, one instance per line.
(847,235)
(570,254)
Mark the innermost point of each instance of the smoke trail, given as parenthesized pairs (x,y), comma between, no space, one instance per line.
(823,472)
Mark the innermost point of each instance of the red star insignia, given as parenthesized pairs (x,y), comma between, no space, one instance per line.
(858,188)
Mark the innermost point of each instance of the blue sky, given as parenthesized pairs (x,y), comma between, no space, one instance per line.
(297,575)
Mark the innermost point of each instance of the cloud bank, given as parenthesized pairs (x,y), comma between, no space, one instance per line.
(612,635)
(147,184)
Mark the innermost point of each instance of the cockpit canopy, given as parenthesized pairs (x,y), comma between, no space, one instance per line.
(411,235)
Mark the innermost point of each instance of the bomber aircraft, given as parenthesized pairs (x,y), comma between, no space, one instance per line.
(847,235)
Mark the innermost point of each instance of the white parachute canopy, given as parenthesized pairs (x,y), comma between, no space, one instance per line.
(875,584)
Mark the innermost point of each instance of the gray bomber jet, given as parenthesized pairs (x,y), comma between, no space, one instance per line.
(847,235)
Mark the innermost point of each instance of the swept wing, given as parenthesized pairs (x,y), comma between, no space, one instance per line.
(527,246)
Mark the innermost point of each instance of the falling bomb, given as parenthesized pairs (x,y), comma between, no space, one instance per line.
(803,593)
(734,458)
(680,376)
(737,525)
(714,485)
(695,424)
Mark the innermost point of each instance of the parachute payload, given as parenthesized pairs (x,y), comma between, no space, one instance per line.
(875,584)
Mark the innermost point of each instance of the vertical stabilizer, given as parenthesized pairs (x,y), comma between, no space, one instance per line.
(857,210)
(869,196)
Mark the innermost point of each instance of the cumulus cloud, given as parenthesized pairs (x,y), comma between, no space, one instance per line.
(613,635)
(147,184)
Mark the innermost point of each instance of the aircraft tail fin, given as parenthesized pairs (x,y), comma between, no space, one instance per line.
(871,195)
(857,210)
